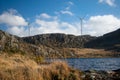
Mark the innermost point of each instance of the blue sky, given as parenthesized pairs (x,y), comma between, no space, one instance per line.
(59,16)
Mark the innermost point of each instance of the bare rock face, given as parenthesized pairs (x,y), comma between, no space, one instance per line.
(57,45)
(8,41)
(59,40)
(48,45)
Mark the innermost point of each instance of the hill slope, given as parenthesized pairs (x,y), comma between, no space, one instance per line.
(59,40)
(46,45)
(107,41)
(56,45)
(8,42)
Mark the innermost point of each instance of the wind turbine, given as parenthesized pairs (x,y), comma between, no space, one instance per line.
(28,29)
(81,24)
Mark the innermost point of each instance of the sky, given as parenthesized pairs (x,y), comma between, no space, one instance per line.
(99,17)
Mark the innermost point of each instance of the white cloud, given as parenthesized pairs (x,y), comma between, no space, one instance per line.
(47,24)
(109,2)
(67,8)
(99,25)
(19,31)
(95,26)
(12,19)
(70,3)
(41,26)
(67,12)
(55,27)
(44,15)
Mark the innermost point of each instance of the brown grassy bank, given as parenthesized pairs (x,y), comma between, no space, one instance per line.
(18,67)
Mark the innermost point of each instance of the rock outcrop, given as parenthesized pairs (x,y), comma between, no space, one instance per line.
(8,42)
(101,75)
(62,45)
(58,40)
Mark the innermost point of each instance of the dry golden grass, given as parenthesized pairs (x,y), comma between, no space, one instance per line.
(88,52)
(18,67)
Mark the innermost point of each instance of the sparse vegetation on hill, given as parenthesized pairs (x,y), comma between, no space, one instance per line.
(58,40)
(110,41)
(58,46)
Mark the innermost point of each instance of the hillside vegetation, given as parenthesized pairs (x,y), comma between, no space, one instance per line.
(109,41)
(58,40)
(62,45)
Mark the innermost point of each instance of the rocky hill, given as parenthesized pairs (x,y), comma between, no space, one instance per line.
(8,42)
(58,45)
(13,44)
(110,41)
(58,40)
(47,45)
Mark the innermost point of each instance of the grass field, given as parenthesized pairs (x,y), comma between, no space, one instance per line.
(18,67)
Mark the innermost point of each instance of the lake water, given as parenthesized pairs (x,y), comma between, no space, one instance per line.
(94,63)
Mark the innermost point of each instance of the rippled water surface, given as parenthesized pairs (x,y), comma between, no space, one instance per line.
(95,63)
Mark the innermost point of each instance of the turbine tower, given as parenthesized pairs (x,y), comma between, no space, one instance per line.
(28,29)
(81,24)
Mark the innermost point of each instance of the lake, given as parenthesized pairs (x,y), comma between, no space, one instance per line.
(94,63)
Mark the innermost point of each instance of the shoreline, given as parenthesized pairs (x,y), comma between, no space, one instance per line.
(101,75)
